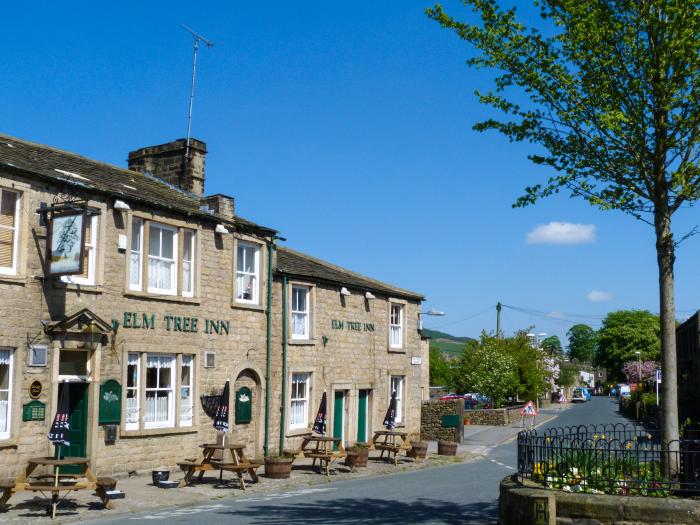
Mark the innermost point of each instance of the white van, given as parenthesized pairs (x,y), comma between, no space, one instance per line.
(624,391)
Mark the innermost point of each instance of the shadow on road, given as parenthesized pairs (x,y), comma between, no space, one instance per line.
(373,511)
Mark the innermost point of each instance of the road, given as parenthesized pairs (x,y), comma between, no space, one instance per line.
(457,494)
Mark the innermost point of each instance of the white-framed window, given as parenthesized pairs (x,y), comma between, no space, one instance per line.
(186,403)
(38,355)
(188,237)
(87,278)
(6,371)
(397,385)
(247,272)
(300,311)
(136,258)
(133,380)
(162,259)
(396,326)
(299,413)
(160,402)
(9,231)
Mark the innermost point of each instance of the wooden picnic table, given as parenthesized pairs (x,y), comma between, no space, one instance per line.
(324,449)
(238,463)
(392,442)
(56,483)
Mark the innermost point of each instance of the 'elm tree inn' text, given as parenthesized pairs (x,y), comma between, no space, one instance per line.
(175,323)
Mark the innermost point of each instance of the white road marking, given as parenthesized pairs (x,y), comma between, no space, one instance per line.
(501,464)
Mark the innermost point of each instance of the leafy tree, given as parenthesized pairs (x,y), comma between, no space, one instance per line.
(485,368)
(552,345)
(632,370)
(609,93)
(532,373)
(440,370)
(567,375)
(623,333)
(582,343)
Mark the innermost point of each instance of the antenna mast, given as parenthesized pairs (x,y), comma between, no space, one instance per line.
(197,38)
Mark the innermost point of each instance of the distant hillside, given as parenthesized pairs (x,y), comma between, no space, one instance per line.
(446,343)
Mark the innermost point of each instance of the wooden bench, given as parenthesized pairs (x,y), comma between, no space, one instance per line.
(391,449)
(239,469)
(6,486)
(324,458)
(192,467)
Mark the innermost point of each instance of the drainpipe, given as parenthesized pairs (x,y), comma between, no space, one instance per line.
(284,362)
(270,250)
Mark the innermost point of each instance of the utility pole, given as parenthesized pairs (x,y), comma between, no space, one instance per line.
(498,320)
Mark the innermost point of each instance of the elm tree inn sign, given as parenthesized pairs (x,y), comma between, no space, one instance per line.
(352,326)
(174,323)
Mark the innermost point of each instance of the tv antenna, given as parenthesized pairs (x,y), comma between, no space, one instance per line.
(197,39)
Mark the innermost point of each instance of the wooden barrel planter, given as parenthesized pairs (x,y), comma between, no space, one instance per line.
(419,449)
(357,458)
(278,467)
(447,448)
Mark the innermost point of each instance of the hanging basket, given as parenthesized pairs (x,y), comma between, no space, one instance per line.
(210,404)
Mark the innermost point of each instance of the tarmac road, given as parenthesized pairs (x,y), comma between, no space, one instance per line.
(457,494)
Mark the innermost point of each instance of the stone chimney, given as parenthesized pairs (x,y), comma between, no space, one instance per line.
(219,204)
(168,163)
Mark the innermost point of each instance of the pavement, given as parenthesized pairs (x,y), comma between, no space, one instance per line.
(485,454)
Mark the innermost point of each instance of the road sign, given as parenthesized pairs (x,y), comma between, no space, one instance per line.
(658,376)
(529,409)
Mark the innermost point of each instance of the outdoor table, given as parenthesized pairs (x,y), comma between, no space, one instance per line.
(61,482)
(392,442)
(324,449)
(238,464)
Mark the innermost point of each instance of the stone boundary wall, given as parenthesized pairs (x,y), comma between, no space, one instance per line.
(431,428)
(521,503)
(648,414)
(494,416)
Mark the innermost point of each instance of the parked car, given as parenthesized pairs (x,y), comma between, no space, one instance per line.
(624,390)
(581,395)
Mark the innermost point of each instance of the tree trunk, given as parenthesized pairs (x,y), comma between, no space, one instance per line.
(665,254)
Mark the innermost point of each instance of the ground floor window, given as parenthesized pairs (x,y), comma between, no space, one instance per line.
(6,358)
(152,378)
(299,413)
(398,386)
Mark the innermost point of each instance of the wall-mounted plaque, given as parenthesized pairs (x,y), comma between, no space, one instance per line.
(35,389)
(34,411)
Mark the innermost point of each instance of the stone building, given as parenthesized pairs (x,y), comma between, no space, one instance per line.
(171,299)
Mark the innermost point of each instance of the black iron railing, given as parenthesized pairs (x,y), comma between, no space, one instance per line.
(609,459)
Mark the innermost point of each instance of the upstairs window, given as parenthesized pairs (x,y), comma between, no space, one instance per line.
(9,228)
(300,312)
(162,257)
(136,259)
(247,272)
(396,326)
(89,255)
(188,263)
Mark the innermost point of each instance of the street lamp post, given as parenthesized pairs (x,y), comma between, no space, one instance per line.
(639,365)
(432,311)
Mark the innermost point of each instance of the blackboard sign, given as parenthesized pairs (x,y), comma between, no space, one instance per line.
(110,403)
(244,405)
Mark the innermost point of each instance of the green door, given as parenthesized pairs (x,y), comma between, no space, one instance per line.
(338,414)
(77,424)
(362,416)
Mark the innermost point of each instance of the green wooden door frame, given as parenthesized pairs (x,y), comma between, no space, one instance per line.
(363,399)
(78,423)
(338,414)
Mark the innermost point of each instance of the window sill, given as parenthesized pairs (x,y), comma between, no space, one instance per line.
(166,298)
(8,443)
(80,288)
(248,306)
(302,342)
(157,432)
(13,279)
(397,350)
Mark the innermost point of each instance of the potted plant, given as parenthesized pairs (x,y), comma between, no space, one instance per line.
(447,448)
(357,455)
(279,467)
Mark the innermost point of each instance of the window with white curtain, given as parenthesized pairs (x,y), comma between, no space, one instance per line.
(397,385)
(160,403)
(396,326)
(187,263)
(87,278)
(299,413)
(300,312)
(247,272)
(162,259)
(9,231)
(133,380)
(6,357)
(136,260)
(186,403)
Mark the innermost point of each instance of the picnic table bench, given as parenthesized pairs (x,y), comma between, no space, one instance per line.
(324,449)
(391,442)
(238,464)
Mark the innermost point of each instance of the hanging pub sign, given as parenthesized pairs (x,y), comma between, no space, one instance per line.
(66,243)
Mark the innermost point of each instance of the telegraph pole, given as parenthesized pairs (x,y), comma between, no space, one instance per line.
(498,320)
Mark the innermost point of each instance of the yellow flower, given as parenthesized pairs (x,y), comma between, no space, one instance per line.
(628,445)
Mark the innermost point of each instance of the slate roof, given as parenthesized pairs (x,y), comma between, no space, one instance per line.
(292,262)
(77,171)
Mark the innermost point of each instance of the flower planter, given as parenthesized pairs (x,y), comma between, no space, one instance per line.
(357,458)
(279,467)
(419,450)
(447,448)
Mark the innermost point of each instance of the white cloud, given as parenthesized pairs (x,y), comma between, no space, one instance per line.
(562,233)
(555,315)
(598,296)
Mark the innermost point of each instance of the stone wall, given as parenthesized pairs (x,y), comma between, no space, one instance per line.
(521,503)
(494,416)
(431,420)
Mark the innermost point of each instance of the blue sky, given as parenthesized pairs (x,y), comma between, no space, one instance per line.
(347,126)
